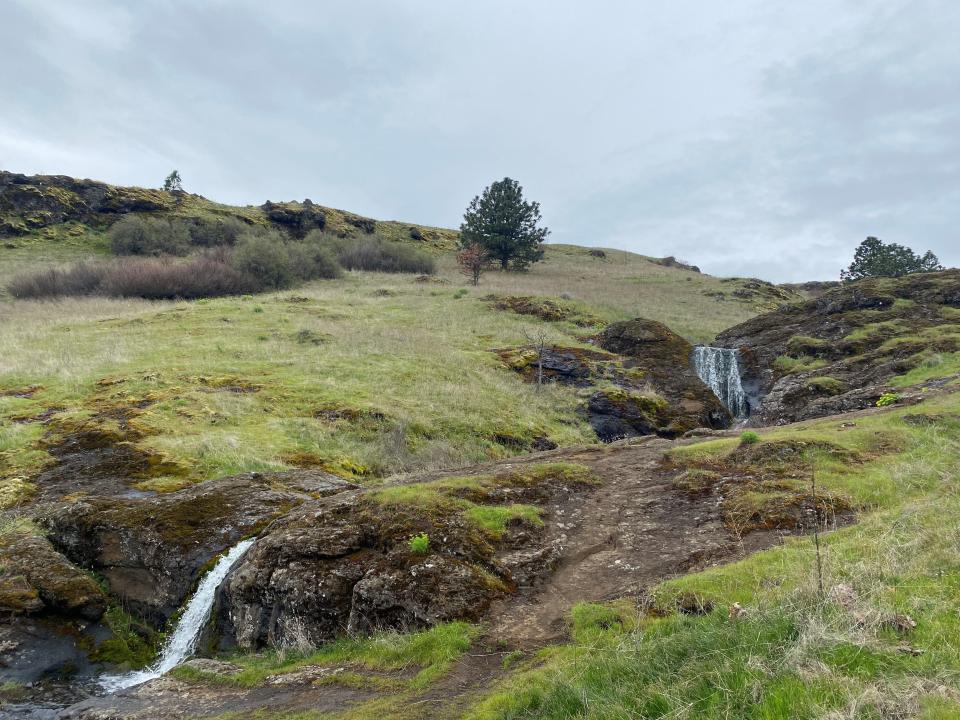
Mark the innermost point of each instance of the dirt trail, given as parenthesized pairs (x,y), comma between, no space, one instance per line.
(632,531)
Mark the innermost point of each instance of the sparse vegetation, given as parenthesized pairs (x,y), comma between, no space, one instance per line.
(419,544)
(473,261)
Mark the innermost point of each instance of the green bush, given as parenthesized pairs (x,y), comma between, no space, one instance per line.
(135,235)
(749,437)
(215,232)
(265,257)
(419,544)
(312,260)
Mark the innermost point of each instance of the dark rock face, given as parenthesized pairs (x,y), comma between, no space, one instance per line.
(36,579)
(29,202)
(344,563)
(837,352)
(49,610)
(658,358)
(150,550)
(644,381)
(297,218)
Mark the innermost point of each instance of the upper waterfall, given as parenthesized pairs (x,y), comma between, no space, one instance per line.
(719,368)
(183,641)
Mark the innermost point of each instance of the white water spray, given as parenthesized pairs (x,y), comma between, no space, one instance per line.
(719,368)
(181,644)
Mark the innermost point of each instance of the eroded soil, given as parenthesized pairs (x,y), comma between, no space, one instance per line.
(633,531)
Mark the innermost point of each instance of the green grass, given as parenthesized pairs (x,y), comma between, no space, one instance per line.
(494,518)
(365,376)
(789,653)
(931,367)
(429,652)
(786,364)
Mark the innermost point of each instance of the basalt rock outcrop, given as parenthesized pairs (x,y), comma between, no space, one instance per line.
(149,550)
(839,351)
(346,564)
(31,202)
(641,377)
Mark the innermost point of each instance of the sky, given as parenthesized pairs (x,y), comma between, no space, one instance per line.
(748,137)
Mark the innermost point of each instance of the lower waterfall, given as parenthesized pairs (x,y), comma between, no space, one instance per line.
(183,641)
(720,370)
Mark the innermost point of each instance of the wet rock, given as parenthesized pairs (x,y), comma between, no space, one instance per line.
(838,352)
(344,564)
(210,666)
(35,577)
(658,360)
(418,595)
(150,550)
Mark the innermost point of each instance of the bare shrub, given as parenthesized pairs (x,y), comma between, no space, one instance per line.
(207,275)
(165,279)
(81,279)
(375,255)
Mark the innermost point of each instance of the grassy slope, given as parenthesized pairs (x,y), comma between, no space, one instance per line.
(370,374)
(788,653)
(792,653)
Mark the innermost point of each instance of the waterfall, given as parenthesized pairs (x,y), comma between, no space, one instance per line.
(719,369)
(183,641)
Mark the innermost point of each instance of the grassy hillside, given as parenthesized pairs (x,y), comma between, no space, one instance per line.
(367,375)
(881,641)
(755,639)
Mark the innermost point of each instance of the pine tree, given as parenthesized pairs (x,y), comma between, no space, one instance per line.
(874,258)
(173,183)
(506,225)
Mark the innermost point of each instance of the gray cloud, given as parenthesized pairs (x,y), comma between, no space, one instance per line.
(748,137)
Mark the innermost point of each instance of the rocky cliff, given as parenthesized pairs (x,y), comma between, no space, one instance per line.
(839,352)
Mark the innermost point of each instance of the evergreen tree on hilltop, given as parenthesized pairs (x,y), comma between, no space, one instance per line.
(874,258)
(506,225)
(173,183)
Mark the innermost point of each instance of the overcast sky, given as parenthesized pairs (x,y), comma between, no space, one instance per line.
(747,136)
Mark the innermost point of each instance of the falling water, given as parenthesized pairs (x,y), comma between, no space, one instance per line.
(718,368)
(183,641)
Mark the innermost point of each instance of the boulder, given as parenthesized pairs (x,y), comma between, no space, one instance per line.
(343,564)
(35,578)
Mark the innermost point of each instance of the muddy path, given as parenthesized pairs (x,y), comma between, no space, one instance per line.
(616,541)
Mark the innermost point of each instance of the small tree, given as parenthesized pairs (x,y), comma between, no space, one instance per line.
(173,183)
(506,225)
(473,261)
(874,258)
(538,338)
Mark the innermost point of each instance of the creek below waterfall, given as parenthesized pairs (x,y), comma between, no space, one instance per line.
(178,647)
